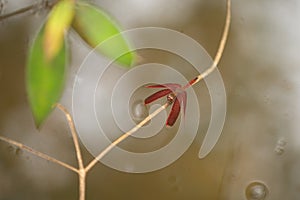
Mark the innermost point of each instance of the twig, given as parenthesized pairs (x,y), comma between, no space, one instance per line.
(81,171)
(82,184)
(125,135)
(26,9)
(74,134)
(37,153)
(219,51)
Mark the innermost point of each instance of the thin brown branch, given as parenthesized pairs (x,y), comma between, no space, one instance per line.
(124,136)
(74,134)
(220,49)
(82,184)
(32,7)
(81,171)
(37,153)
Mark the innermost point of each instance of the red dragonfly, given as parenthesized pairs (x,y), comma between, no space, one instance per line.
(176,95)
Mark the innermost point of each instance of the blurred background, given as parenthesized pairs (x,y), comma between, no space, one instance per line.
(257,156)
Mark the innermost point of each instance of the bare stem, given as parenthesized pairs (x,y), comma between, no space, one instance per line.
(37,153)
(35,6)
(74,134)
(219,51)
(82,184)
(124,136)
(82,172)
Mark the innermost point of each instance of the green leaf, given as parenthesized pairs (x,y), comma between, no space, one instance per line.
(95,27)
(59,20)
(44,78)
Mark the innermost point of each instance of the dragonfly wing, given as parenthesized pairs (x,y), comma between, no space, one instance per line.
(175,110)
(157,95)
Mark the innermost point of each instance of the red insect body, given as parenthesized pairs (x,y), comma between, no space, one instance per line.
(193,81)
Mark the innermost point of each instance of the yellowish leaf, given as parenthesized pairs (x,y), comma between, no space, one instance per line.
(58,22)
